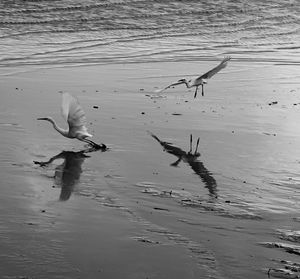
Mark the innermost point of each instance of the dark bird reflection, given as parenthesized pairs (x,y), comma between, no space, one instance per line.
(68,173)
(192,159)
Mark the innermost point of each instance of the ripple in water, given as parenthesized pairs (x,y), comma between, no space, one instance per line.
(47,33)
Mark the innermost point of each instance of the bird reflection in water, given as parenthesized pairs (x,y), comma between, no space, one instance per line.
(68,173)
(192,159)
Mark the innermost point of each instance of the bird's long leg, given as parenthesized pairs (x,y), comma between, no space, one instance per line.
(197,144)
(196,91)
(202,89)
(95,145)
(191,142)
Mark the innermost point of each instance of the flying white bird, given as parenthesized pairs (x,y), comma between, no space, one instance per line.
(75,116)
(200,80)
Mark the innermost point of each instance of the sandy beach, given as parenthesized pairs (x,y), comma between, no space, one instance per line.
(147,207)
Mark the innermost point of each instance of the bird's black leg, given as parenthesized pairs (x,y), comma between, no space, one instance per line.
(191,142)
(202,90)
(196,91)
(95,145)
(197,144)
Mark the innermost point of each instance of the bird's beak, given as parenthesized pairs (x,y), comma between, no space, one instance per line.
(42,118)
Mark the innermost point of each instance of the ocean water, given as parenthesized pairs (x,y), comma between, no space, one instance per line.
(41,33)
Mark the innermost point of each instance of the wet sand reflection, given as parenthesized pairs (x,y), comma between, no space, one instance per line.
(192,159)
(68,173)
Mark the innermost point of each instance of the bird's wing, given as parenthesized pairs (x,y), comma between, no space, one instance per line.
(215,70)
(73,112)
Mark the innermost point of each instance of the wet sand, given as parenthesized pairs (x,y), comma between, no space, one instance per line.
(148,207)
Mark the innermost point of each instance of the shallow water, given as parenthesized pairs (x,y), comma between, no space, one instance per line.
(50,33)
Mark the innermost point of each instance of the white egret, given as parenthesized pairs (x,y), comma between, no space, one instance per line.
(201,80)
(75,117)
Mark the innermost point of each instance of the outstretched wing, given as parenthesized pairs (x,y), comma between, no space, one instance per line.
(215,70)
(73,114)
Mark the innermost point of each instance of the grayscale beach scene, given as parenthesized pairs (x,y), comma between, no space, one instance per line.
(193,167)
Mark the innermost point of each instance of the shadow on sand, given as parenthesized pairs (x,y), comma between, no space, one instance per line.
(192,159)
(68,173)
